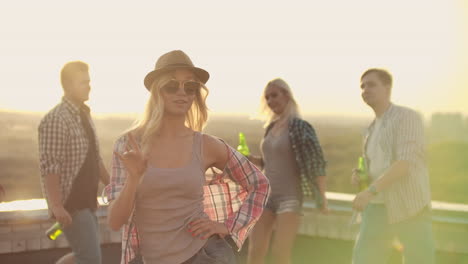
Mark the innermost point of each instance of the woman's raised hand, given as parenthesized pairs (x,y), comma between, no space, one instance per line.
(133,159)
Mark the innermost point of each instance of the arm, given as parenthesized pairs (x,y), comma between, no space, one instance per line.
(322,184)
(257,189)
(121,208)
(257,160)
(318,163)
(252,183)
(52,143)
(398,170)
(127,169)
(214,155)
(52,186)
(103,174)
(409,146)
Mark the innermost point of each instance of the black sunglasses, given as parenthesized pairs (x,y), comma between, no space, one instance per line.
(190,87)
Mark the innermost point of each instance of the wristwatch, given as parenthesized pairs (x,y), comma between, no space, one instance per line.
(373,190)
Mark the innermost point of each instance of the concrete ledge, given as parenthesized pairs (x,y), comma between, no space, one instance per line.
(450,222)
(23,231)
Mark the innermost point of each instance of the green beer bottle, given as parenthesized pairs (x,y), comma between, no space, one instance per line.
(54,231)
(363,175)
(242,147)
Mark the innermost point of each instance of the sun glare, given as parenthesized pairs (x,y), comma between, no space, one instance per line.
(23,205)
(319,49)
(33,204)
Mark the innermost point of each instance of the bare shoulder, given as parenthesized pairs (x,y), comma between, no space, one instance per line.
(213,144)
(214,151)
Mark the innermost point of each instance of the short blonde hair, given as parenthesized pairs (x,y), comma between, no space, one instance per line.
(291,110)
(69,69)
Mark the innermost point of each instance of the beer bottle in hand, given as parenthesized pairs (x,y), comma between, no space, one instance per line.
(54,231)
(242,147)
(363,175)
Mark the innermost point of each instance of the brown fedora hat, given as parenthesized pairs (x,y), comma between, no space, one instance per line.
(173,60)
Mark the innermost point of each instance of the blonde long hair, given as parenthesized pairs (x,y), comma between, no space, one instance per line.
(150,122)
(291,110)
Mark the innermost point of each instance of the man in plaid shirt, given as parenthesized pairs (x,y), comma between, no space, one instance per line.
(71,165)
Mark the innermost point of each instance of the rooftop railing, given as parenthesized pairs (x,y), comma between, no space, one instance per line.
(23,225)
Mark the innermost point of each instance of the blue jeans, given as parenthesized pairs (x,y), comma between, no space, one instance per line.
(83,237)
(374,242)
(215,251)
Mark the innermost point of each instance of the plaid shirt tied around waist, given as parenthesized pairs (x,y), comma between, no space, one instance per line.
(235,197)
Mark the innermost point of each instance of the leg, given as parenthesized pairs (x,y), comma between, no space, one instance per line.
(259,239)
(67,259)
(373,244)
(416,236)
(287,225)
(83,236)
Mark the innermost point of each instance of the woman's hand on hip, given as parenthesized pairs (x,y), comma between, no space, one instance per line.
(205,228)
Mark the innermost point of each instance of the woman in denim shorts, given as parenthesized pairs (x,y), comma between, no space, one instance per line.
(293,162)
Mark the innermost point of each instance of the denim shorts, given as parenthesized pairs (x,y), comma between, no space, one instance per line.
(215,251)
(284,204)
(83,237)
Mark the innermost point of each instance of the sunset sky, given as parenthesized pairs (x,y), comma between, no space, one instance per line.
(319,47)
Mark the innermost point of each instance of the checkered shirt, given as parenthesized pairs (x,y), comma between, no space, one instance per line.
(308,155)
(63,145)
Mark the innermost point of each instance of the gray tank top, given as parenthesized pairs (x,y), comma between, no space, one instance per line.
(280,165)
(166,201)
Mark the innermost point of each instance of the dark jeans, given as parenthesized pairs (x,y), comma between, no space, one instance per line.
(215,251)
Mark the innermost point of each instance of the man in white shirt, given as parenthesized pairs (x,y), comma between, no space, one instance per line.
(397,203)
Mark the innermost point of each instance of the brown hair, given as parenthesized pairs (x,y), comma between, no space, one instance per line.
(69,69)
(384,76)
